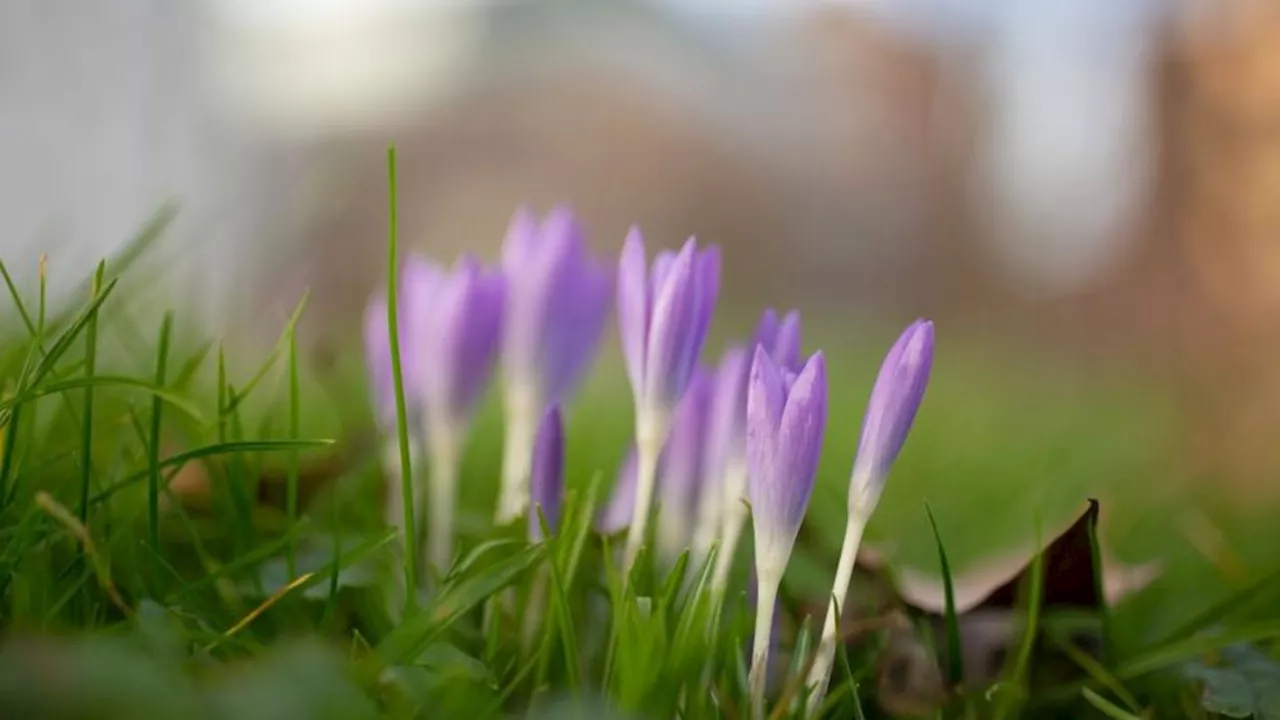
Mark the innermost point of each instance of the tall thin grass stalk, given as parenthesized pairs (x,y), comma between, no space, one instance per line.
(402,413)
(291,499)
(153,448)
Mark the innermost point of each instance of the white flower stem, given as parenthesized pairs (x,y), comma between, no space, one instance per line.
(651,430)
(734,518)
(521,428)
(758,678)
(393,507)
(707,528)
(443,439)
(820,673)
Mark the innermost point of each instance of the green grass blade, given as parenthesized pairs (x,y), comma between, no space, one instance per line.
(955,651)
(1034,590)
(397,375)
(1095,669)
(157,408)
(1106,707)
(1099,585)
(222,448)
(265,368)
(405,642)
(241,563)
(95,381)
(291,500)
(1224,608)
(17,300)
(1176,652)
(86,420)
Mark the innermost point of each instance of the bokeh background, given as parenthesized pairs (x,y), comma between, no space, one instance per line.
(1083,194)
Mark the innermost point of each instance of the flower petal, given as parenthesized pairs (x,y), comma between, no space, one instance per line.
(895,398)
(633,308)
(786,346)
(800,434)
(765,403)
(520,241)
(671,330)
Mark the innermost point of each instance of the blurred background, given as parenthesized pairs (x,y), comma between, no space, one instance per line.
(1084,194)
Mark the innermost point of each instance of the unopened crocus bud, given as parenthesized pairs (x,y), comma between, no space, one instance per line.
(682,470)
(895,398)
(456,330)
(663,317)
(547,474)
(616,515)
(786,419)
(558,300)
(781,341)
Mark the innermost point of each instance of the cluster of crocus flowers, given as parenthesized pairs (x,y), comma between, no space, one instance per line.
(712,446)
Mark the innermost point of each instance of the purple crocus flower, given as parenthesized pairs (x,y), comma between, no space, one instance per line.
(557,303)
(547,476)
(663,316)
(786,419)
(455,323)
(895,398)
(616,515)
(781,340)
(683,468)
(454,326)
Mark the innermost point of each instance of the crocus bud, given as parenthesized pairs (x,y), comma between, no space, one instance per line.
(456,327)
(663,316)
(616,515)
(682,473)
(890,412)
(786,419)
(558,298)
(781,340)
(547,478)
(894,400)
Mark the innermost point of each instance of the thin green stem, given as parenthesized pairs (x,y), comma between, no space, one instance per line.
(291,500)
(157,410)
(86,421)
(402,413)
